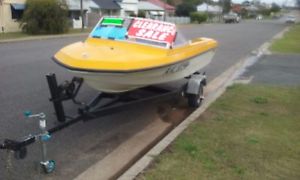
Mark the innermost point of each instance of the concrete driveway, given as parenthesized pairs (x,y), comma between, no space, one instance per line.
(276,69)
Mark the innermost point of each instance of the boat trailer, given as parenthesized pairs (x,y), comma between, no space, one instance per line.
(103,104)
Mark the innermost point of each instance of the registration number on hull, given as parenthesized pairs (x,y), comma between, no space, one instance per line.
(177,67)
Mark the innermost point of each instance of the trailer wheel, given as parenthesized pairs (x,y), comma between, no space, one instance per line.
(195,100)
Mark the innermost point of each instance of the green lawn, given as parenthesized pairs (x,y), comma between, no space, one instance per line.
(17,35)
(13,35)
(75,31)
(290,43)
(251,132)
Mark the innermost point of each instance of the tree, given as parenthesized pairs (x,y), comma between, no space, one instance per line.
(171,2)
(226,6)
(275,8)
(185,9)
(45,17)
(298,3)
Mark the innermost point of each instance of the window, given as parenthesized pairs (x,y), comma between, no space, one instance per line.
(17,11)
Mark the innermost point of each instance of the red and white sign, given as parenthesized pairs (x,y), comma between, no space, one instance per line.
(152,30)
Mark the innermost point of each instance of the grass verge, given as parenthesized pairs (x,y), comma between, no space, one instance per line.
(18,35)
(13,35)
(251,132)
(289,43)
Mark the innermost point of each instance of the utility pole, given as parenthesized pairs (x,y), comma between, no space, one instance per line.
(81,13)
(165,10)
(1,17)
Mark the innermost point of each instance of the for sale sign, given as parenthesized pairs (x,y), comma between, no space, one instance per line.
(152,30)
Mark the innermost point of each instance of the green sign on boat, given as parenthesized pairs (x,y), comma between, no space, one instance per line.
(112,21)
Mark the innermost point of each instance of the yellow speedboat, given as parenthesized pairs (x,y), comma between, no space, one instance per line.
(123,54)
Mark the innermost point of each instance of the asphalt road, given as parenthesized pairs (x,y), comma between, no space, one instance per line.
(23,66)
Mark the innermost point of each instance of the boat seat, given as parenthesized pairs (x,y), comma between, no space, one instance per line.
(110,32)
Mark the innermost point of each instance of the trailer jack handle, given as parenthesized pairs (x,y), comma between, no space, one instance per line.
(19,147)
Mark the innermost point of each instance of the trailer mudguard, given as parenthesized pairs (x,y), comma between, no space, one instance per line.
(194,83)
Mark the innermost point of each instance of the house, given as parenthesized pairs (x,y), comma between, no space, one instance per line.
(151,10)
(74,12)
(99,8)
(236,8)
(206,8)
(11,12)
(170,10)
(74,8)
(105,7)
(128,7)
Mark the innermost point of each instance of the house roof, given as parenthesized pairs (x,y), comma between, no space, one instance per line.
(107,4)
(236,8)
(162,4)
(93,5)
(147,6)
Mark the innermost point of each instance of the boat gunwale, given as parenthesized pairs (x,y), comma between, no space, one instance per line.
(126,71)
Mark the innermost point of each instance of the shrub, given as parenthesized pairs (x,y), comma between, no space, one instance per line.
(275,8)
(45,17)
(141,14)
(132,14)
(198,17)
(185,9)
(265,12)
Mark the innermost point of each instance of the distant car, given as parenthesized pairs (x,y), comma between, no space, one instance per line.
(290,19)
(231,18)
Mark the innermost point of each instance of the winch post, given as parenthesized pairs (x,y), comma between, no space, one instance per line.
(57,103)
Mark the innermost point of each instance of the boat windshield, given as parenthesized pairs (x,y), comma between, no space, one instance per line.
(138,30)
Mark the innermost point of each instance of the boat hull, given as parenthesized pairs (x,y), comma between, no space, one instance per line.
(116,82)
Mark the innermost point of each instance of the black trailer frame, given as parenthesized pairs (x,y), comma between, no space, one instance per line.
(103,104)
(69,90)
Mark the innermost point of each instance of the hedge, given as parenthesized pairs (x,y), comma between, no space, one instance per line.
(197,17)
(45,17)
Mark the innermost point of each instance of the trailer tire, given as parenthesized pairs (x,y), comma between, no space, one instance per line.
(195,100)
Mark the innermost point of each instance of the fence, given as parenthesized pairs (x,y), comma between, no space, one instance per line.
(179,20)
(174,19)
